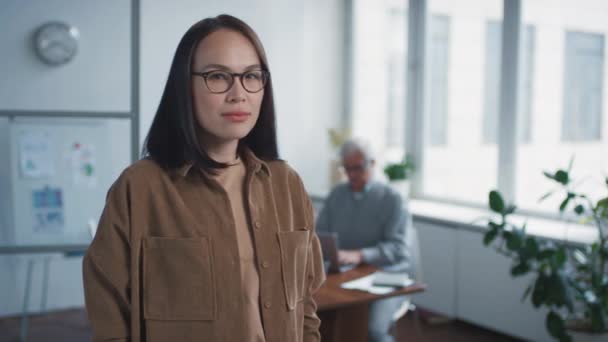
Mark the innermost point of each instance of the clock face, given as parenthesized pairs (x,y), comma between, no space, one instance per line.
(56,43)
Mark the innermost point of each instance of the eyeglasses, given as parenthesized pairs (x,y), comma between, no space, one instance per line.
(355,168)
(219,81)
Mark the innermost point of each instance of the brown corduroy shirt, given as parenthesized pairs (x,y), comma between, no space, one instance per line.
(164,264)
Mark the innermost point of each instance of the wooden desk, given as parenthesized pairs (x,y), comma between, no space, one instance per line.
(344,313)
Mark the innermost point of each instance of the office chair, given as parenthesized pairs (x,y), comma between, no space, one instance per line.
(413,245)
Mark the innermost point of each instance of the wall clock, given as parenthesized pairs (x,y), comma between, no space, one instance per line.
(56,43)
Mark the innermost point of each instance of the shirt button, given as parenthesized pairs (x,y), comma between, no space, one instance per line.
(265,264)
(257,225)
(267,305)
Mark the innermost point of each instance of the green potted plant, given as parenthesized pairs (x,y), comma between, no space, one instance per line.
(570,281)
(337,137)
(399,174)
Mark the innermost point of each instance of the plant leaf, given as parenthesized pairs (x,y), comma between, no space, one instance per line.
(579,209)
(555,325)
(510,209)
(514,240)
(566,295)
(598,322)
(527,292)
(562,177)
(560,257)
(490,236)
(602,207)
(546,254)
(549,175)
(531,247)
(520,269)
(539,293)
(497,204)
(564,203)
(556,293)
(494,225)
(570,163)
(544,197)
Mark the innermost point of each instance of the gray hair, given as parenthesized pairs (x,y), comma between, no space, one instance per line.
(357,145)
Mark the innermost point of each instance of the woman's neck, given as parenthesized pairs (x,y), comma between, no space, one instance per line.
(221,151)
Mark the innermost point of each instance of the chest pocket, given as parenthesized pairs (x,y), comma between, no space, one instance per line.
(294,251)
(178,279)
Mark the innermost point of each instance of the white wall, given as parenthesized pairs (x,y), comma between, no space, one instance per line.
(97,79)
(471,282)
(303,41)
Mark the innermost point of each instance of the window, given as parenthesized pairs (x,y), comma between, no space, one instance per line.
(492,83)
(567,102)
(583,80)
(379,63)
(560,95)
(439,45)
(456,165)
(396,71)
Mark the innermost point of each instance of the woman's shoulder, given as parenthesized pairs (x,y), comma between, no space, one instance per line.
(281,170)
(145,167)
(142,172)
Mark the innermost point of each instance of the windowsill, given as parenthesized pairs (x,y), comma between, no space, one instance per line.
(463,217)
(472,219)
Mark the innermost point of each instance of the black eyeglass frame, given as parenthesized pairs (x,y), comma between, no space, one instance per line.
(357,168)
(233,75)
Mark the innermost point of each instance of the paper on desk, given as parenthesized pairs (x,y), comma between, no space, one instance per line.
(397,279)
(366,284)
(359,283)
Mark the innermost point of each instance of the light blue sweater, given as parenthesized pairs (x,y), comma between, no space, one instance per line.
(374,221)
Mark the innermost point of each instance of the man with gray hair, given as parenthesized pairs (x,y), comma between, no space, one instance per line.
(371,220)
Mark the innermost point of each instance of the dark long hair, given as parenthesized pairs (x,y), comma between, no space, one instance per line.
(172,139)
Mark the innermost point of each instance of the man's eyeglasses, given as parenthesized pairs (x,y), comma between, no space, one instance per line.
(219,81)
(355,168)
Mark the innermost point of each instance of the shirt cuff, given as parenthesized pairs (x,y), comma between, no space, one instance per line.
(370,255)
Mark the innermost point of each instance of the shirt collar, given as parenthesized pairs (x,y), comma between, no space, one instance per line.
(360,194)
(252,163)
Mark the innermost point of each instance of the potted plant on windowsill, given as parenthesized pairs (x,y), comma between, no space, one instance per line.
(399,174)
(572,282)
(337,137)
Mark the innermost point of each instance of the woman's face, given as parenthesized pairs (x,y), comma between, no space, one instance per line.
(228,116)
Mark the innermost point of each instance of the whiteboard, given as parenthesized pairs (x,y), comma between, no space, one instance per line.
(59,171)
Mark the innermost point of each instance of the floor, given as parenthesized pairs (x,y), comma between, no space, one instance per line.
(72,325)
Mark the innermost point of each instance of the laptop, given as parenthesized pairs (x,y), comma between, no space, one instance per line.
(329,248)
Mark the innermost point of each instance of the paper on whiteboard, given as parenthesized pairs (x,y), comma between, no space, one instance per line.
(47,206)
(84,168)
(35,157)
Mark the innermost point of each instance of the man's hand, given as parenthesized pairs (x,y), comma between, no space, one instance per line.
(350,257)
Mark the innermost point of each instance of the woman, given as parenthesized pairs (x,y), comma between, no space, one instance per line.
(209,238)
